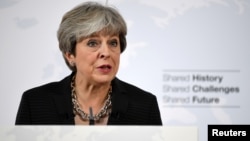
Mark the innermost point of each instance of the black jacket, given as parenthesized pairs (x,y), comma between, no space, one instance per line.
(51,104)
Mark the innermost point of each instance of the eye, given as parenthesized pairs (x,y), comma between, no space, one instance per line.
(113,43)
(92,43)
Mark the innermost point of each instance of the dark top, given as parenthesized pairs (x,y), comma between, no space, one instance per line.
(51,104)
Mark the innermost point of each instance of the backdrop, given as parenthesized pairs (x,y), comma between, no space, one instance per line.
(192,54)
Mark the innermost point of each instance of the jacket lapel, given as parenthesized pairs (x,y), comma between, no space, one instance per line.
(62,99)
(119,102)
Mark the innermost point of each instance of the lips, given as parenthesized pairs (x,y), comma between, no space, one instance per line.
(105,68)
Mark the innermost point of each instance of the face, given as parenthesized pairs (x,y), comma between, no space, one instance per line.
(97,58)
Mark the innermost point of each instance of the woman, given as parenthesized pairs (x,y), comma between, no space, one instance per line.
(91,38)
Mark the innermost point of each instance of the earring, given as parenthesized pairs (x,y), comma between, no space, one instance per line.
(72,63)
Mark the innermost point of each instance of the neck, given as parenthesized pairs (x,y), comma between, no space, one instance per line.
(91,95)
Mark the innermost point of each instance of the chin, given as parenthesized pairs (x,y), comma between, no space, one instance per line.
(104,79)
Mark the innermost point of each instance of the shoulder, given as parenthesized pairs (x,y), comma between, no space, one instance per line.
(132,90)
(48,88)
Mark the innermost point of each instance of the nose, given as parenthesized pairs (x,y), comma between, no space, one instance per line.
(104,51)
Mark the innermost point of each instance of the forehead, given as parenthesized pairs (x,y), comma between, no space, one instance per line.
(104,32)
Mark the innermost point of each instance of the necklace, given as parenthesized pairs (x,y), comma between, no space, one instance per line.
(105,110)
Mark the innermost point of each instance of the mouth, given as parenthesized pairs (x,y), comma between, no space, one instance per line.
(105,67)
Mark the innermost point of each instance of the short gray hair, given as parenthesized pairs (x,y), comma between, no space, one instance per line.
(86,19)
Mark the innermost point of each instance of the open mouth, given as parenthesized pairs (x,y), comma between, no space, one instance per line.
(105,67)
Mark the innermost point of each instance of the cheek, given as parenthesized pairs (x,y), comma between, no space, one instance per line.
(117,60)
(116,57)
(86,57)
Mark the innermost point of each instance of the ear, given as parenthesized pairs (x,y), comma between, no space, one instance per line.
(70,57)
